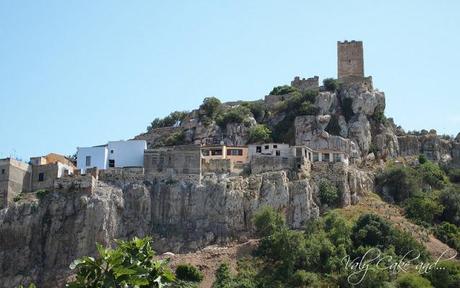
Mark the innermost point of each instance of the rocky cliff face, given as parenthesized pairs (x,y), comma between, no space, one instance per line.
(40,238)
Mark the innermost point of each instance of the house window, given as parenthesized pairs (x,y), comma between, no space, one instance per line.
(315,156)
(88,161)
(3,171)
(266,147)
(111,163)
(216,152)
(205,152)
(326,157)
(235,152)
(258,149)
(41,177)
(111,151)
(337,157)
(278,153)
(275,146)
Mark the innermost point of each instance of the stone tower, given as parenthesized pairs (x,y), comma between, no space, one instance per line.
(350,59)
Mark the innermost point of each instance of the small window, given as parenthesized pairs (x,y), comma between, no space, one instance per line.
(278,153)
(259,149)
(111,163)
(111,151)
(266,147)
(275,146)
(3,171)
(88,161)
(41,177)
(315,156)
(205,152)
(235,152)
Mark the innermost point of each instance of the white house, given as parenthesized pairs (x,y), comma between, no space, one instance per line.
(114,154)
(270,149)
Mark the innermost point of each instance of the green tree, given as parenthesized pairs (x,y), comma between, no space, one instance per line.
(268,221)
(449,234)
(130,264)
(432,174)
(282,90)
(423,208)
(210,107)
(259,134)
(398,183)
(331,84)
(188,272)
(446,275)
(450,199)
(410,280)
(328,193)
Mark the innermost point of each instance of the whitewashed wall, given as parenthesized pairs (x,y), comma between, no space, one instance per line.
(127,153)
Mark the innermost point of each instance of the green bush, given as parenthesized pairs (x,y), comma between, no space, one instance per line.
(331,84)
(176,138)
(449,234)
(302,278)
(379,117)
(282,90)
(454,175)
(328,194)
(188,272)
(398,183)
(267,221)
(236,115)
(41,193)
(210,107)
(450,199)
(259,134)
(423,208)
(422,159)
(168,121)
(432,174)
(445,275)
(409,280)
(130,264)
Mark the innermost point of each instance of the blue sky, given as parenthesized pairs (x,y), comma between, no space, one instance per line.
(80,73)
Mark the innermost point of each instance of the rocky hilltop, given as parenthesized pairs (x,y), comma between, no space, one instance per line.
(41,234)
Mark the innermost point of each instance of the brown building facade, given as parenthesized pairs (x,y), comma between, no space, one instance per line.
(15,177)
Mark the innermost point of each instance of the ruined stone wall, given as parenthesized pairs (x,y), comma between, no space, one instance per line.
(50,172)
(217,166)
(306,84)
(75,183)
(261,164)
(14,179)
(350,59)
(121,176)
(173,160)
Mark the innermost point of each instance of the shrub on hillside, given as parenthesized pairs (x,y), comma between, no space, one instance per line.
(176,138)
(172,119)
(329,194)
(450,199)
(210,106)
(236,115)
(331,84)
(449,234)
(282,90)
(432,174)
(454,175)
(259,134)
(410,280)
(267,221)
(423,208)
(422,159)
(188,272)
(446,275)
(398,183)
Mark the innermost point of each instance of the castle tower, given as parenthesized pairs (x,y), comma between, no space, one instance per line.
(350,59)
